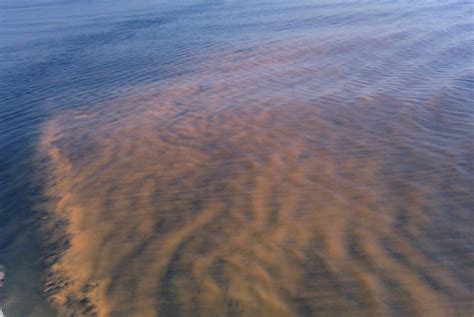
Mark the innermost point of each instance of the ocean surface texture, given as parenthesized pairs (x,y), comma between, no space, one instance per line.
(237,158)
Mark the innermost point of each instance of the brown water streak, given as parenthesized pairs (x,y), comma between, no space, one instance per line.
(213,196)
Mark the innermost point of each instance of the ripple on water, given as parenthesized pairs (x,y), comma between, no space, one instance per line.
(238,158)
(227,192)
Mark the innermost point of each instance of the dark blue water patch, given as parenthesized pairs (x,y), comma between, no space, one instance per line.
(83,32)
(89,67)
(19,196)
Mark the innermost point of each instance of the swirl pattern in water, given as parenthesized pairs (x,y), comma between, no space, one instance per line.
(237,158)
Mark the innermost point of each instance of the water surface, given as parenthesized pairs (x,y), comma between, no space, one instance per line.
(237,158)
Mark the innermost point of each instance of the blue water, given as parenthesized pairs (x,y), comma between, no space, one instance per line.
(409,62)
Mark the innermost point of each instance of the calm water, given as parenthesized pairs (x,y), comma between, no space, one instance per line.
(237,158)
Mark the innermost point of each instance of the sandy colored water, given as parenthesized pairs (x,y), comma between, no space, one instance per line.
(224,193)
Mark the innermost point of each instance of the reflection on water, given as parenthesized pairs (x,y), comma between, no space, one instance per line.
(299,159)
